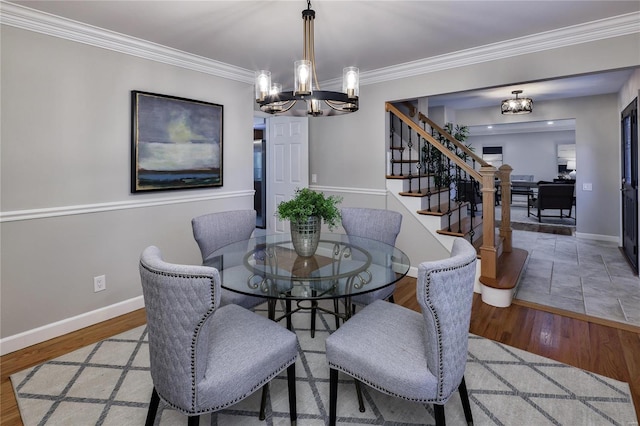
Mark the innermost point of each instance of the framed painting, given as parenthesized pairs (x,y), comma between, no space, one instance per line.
(176,143)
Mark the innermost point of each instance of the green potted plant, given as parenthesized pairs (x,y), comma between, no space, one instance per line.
(305,211)
(437,163)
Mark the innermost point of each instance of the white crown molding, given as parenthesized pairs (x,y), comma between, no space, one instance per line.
(45,23)
(18,215)
(29,19)
(583,33)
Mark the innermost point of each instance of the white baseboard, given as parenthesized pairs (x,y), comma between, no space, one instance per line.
(68,325)
(598,237)
(413,272)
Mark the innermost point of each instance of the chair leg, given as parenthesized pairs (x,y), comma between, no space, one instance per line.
(263,401)
(359,393)
(391,299)
(313,318)
(466,405)
(439,414)
(314,304)
(153,408)
(287,304)
(336,309)
(271,309)
(194,421)
(333,395)
(291,380)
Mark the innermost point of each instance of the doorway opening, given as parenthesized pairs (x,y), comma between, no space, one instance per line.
(259,171)
(629,132)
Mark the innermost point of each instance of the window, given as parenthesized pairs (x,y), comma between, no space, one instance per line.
(492,155)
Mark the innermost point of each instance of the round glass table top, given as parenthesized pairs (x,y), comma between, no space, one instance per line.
(342,266)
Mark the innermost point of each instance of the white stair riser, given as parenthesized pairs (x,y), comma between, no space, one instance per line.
(413,184)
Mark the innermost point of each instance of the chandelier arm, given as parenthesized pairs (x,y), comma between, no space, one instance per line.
(289,106)
(282,107)
(342,106)
(335,104)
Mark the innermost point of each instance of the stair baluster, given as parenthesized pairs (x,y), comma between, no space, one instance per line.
(460,164)
(425,159)
(392,132)
(410,175)
(401,148)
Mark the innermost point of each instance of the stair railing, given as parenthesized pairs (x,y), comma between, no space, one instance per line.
(458,154)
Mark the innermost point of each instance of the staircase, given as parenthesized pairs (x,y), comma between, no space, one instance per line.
(442,182)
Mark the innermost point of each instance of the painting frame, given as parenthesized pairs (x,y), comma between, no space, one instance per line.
(176,143)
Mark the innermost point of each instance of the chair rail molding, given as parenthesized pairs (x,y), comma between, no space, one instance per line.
(346,190)
(17,215)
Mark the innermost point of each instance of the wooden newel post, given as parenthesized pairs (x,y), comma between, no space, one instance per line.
(504,174)
(488,250)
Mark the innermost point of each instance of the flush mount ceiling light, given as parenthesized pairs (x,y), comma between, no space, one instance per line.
(306,97)
(517,105)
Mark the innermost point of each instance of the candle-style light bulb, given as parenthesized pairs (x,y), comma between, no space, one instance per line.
(263,84)
(351,82)
(303,77)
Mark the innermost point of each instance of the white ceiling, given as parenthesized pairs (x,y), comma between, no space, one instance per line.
(369,34)
(569,87)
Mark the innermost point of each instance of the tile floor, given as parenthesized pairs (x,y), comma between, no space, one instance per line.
(579,275)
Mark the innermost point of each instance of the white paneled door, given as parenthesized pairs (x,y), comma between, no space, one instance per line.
(287,164)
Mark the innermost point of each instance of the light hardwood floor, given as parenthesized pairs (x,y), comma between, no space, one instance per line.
(602,349)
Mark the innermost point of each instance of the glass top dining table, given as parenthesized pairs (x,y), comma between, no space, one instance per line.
(268,266)
(343,266)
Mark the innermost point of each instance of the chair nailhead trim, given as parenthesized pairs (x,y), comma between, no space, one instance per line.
(380,388)
(236,400)
(437,320)
(196,333)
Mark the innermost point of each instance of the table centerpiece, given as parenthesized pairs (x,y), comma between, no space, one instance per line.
(305,211)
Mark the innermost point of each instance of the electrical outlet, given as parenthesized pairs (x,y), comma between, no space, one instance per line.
(99,283)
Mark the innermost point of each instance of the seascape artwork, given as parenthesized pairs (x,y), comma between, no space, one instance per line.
(177,143)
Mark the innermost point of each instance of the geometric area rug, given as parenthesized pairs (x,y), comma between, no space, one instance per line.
(108,383)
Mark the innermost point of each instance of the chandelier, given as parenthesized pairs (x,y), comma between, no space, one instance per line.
(306,97)
(517,105)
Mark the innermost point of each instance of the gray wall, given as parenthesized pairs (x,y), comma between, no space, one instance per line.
(630,90)
(352,147)
(67,214)
(66,163)
(534,153)
(597,139)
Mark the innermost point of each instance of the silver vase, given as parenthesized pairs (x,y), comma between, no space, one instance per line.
(305,235)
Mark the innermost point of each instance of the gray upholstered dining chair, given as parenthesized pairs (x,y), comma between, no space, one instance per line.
(400,352)
(215,230)
(376,224)
(205,357)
